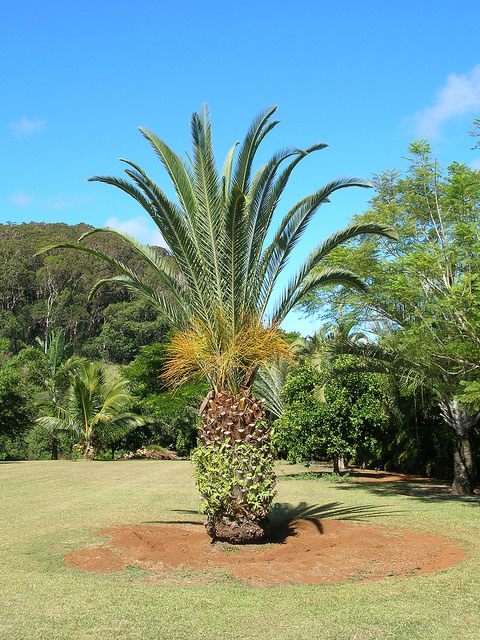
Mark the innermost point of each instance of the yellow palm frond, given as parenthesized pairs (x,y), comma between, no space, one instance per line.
(222,354)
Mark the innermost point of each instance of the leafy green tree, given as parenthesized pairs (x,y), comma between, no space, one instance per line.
(174,416)
(347,423)
(424,290)
(315,353)
(16,404)
(224,264)
(128,326)
(94,409)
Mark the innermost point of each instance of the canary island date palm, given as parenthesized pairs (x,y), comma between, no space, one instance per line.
(93,410)
(217,288)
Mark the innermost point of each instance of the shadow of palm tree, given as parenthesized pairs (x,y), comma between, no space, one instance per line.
(285,511)
(187,512)
(284,514)
(426,492)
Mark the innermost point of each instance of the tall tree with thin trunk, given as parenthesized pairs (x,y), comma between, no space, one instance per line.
(424,289)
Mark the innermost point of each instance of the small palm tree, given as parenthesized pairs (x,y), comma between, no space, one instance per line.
(217,284)
(93,410)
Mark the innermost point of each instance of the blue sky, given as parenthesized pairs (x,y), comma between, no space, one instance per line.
(366,77)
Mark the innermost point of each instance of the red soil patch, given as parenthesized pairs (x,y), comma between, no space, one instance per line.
(312,551)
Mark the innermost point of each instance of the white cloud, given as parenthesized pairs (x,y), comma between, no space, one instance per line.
(25,127)
(20,198)
(138,227)
(60,202)
(459,95)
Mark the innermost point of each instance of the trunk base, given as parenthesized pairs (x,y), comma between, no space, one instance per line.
(236,531)
(463,484)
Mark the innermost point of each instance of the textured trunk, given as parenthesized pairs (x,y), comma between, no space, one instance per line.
(456,416)
(463,484)
(231,420)
(338,465)
(89,451)
(234,419)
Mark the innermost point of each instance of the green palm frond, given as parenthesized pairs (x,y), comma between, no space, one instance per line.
(268,386)
(290,231)
(225,259)
(94,407)
(300,286)
(259,128)
(179,172)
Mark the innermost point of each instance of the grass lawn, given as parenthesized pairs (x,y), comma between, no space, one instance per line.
(50,507)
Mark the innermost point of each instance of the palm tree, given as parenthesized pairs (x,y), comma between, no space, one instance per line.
(52,375)
(225,262)
(93,409)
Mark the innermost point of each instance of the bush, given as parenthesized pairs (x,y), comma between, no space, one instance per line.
(347,424)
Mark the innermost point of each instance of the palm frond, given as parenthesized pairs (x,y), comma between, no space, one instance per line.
(179,172)
(227,172)
(175,231)
(209,232)
(289,233)
(300,286)
(234,251)
(268,386)
(259,128)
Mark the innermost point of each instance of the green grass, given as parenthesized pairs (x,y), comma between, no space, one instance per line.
(48,508)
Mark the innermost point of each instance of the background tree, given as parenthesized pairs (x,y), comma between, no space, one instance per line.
(93,409)
(128,326)
(174,417)
(40,293)
(423,289)
(16,404)
(229,259)
(348,423)
(475,132)
(51,374)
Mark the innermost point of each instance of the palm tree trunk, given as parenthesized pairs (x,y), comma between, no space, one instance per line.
(336,465)
(232,420)
(89,451)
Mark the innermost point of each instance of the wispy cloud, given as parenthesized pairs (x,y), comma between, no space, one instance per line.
(25,127)
(20,199)
(459,95)
(138,227)
(60,201)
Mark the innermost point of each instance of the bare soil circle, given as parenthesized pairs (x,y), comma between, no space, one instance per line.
(309,551)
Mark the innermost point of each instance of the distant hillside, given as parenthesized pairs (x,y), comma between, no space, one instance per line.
(38,293)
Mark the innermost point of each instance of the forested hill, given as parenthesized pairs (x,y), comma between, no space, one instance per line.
(50,291)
